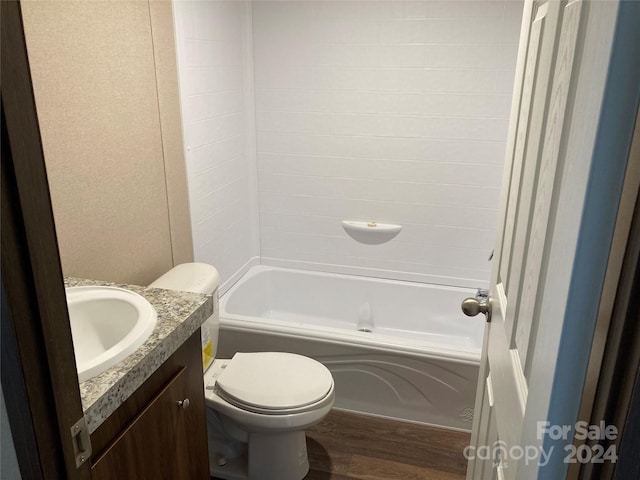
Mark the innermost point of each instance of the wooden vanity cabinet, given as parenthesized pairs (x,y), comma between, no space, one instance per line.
(152,435)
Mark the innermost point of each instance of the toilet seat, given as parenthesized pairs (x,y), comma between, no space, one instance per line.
(274,383)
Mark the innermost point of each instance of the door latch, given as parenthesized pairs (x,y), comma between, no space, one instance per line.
(81,441)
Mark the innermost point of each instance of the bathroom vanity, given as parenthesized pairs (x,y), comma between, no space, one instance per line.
(160,431)
(146,415)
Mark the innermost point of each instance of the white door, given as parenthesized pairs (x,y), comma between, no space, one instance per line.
(551,63)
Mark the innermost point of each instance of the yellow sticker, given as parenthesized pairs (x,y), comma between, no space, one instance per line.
(207,354)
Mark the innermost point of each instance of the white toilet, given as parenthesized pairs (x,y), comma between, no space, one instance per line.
(258,404)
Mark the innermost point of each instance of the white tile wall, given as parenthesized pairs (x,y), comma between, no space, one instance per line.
(393,111)
(214,56)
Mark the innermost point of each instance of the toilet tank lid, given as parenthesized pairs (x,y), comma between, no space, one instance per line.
(189,277)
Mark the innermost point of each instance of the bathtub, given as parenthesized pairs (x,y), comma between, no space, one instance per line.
(396,349)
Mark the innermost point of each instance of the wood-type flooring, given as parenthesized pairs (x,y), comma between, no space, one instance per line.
(350,446)
(347,446)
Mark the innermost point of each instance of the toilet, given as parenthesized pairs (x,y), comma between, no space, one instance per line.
(258,404)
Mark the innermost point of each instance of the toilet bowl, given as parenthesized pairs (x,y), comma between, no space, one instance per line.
(271,421)
(259,404)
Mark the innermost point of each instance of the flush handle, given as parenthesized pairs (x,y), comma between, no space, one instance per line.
(473,306)
(183,404)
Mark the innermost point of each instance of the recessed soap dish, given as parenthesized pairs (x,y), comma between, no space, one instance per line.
(370,233)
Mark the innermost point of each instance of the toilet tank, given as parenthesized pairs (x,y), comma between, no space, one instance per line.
(197,278)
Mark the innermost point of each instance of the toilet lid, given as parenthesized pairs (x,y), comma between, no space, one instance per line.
(274,380)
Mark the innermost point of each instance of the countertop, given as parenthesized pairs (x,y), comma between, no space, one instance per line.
(180,314)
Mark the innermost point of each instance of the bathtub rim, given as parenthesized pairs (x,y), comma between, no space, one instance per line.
(245,324)
(256,269)
(376,341)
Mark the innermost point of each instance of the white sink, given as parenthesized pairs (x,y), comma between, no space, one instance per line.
(107,324)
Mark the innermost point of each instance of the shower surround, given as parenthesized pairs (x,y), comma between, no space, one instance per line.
(299,115)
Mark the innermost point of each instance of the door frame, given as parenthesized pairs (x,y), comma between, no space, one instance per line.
(613,376)
(608,172)
(595,154)
(39,377)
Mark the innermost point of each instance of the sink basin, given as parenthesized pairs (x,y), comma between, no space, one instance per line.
(107,325)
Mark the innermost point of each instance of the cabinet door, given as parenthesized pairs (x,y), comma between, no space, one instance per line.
(157,444)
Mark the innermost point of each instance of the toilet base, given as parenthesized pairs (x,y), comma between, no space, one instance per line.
(282,456)
(234,469)
(270,456)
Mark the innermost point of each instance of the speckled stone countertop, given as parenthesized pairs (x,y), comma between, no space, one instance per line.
(180,314)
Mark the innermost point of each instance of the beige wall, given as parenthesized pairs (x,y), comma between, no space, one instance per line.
(105,83)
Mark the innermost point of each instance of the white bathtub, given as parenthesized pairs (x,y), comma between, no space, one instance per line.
(418,363)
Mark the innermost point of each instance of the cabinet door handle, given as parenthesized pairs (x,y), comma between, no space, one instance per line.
(184,404)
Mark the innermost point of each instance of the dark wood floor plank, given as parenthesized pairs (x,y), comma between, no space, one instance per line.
(317,475)
(368,468)
(403,442)
(399,430)
(348,446)
(333,460)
